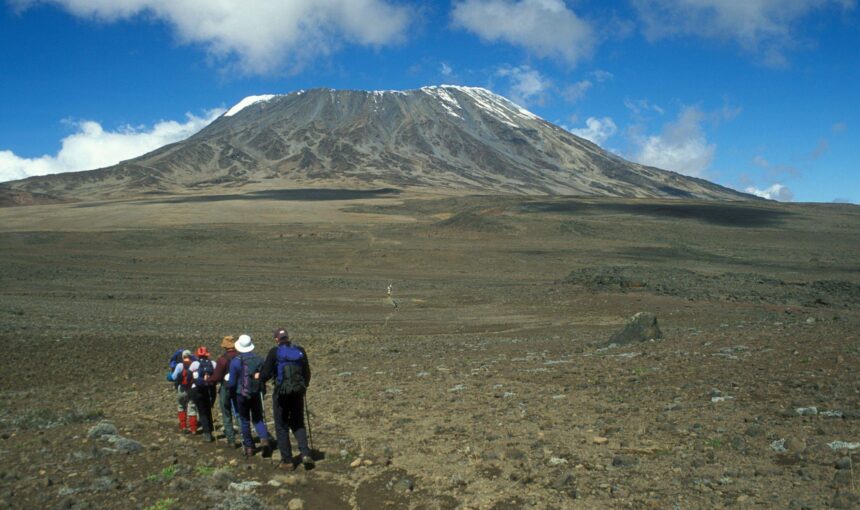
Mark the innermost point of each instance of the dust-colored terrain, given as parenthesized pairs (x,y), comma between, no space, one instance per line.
(491,386)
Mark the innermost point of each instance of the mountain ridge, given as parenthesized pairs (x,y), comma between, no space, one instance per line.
(445,138)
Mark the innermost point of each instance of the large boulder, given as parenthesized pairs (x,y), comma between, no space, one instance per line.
(640,328)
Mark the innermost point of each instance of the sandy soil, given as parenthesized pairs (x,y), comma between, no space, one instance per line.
(491,386)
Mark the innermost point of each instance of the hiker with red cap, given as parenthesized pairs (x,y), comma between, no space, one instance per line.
(221,375)
(203,390)
(287,363)
(183,378)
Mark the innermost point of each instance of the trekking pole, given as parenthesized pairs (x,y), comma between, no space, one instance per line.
(308,417)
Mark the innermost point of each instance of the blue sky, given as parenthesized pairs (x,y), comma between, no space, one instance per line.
(758,95)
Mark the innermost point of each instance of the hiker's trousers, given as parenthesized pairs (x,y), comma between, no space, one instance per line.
(184,401)
(251,411)
(202,398)
(289,415)
(228,408)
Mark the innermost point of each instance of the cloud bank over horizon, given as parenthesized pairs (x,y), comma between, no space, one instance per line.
(91,146)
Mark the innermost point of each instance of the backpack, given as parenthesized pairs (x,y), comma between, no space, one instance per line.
(247,385)
(204,368)
(176,359)
(291,376)
(186,378)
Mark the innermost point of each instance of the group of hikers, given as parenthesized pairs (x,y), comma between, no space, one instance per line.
(237,380)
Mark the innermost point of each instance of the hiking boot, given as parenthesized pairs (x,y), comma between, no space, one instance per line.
(249,451)
(287,465)
(207,436)
(308,462)
(266,448)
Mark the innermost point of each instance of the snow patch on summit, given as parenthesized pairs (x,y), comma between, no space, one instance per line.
(498,106)
(448,101)
(248,101)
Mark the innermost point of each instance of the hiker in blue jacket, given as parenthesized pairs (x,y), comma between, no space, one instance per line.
(245,385)
(287,364)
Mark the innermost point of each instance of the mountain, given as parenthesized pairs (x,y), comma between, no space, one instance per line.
(445,138)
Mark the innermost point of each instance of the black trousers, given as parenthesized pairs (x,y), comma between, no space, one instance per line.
(289,415)
(202,398)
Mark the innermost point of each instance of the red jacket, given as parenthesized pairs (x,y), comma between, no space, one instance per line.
(222,366)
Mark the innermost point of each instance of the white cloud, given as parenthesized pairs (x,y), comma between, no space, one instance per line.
(546,28)
(577,91)
(601,76)
(640,106)
(681,147)
(261,35)
(761,27)
(446,70)
(92,147)
(597,130)
(527,85)
(775,192)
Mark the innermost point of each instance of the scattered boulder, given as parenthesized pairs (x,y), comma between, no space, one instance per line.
(102,429)
(244,486)
(639,328)
(124,444)
(240,502)
(296,504)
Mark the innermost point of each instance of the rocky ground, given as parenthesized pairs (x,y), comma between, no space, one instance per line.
(492,386)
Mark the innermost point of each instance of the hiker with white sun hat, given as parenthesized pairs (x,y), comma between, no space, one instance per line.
(244,382)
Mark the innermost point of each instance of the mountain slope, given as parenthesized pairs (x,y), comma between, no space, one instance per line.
(447,138)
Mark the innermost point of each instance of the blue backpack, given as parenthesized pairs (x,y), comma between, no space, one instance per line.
(291,376)
(204,368)
(176,359)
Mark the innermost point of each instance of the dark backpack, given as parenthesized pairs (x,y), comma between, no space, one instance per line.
(204,368)
(247,385)
(186,378)
(291,373)
(176,359)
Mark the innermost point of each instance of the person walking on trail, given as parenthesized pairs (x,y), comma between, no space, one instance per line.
(221,375)
(245,386)
(183,377)
(287,364)
(390,298)
(202,390)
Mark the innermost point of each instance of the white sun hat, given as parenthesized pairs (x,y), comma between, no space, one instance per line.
(244,344)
